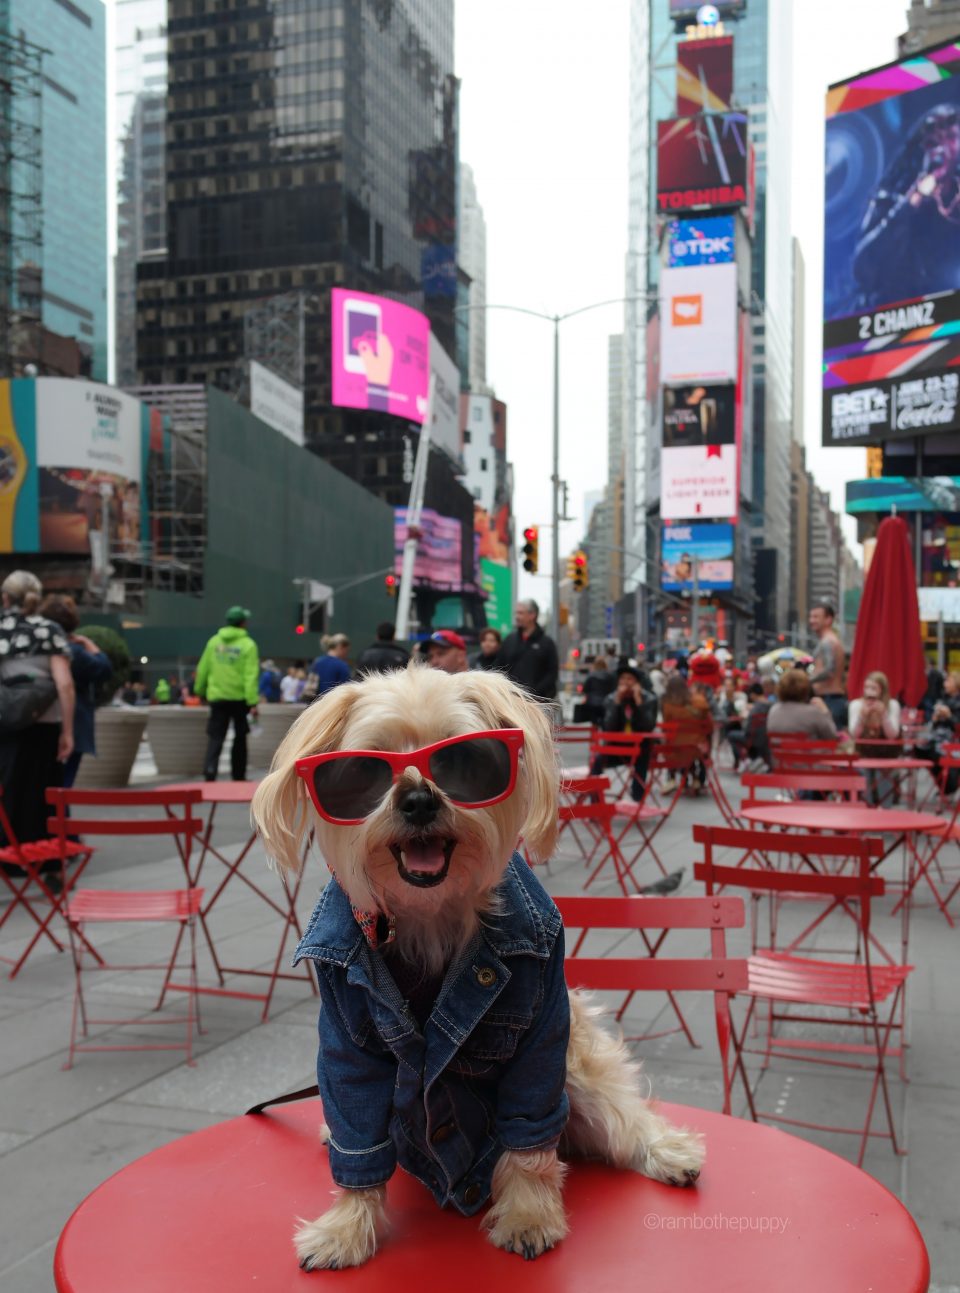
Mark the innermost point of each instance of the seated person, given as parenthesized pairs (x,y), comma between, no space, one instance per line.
(631,708)
(944,721)
(751,741)
(798,712)
(690,711)
(875,716)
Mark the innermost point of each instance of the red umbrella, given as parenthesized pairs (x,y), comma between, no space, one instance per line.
(888,626)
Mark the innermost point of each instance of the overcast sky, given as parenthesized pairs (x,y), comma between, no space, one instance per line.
(544,121)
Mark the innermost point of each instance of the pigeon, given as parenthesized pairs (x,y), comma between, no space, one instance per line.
(667,884)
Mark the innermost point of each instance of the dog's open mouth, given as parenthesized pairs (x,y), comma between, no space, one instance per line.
(424,860)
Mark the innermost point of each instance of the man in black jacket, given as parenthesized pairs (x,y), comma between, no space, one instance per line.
(529,656)
(385,654)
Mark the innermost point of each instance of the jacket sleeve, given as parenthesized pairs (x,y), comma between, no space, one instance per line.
(356,1088)
(203,672)
(88,667)
(532,1105)
(251,673)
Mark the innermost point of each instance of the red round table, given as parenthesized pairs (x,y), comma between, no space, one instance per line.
(813,815)
(216,1211)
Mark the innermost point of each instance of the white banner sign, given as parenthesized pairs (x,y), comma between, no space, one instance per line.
(699,483)
(86,426)
(698,324)
(935,602)
(276,402)
(445,427)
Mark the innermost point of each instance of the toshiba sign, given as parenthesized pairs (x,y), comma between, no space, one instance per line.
(698,337)
(702,161)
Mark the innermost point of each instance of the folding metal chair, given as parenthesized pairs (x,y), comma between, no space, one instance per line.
(717,973)
(175,819)
(855,989)
(836,784)
(32,891)
(598,815)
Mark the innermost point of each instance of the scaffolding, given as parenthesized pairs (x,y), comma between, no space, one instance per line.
(21,203)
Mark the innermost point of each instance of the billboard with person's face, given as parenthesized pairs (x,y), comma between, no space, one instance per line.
(702,162)
(891,335)
(381,355)
(704,551)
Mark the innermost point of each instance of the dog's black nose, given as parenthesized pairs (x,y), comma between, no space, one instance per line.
(419,806)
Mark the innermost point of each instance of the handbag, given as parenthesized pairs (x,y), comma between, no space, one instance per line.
(23,699)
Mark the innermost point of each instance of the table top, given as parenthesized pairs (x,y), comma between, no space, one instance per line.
(219,792)
(903,762)
(814,815)
(215,1211)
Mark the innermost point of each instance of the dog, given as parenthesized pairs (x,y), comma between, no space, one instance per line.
(449,1043)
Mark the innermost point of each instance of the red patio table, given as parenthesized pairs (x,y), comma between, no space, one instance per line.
(215,1211)
(903,763)
(241,792)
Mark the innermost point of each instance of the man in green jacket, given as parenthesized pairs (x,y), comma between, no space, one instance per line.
(227,679)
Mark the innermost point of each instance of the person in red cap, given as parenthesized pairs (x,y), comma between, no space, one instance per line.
(447,650)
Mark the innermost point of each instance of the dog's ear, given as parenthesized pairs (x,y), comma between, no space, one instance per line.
(281,805)
(507,705)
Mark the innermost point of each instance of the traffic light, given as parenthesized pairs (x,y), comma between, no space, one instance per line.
(390,583)
(531,544)
(300,630)
(581,574)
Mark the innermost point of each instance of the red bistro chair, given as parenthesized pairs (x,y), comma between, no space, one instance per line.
(846,786)
(32,890)
(861,995)
(174,818)
(716,973)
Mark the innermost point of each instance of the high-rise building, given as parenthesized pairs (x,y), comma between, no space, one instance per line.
(73,186)
(140,43)
(472,250)
(928,22)
(761,88)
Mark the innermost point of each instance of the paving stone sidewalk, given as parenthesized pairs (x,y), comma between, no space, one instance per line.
(62,1133)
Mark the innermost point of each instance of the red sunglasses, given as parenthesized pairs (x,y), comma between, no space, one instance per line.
(474,771)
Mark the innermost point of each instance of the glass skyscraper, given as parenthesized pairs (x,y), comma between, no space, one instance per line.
(74,175)
(762,88)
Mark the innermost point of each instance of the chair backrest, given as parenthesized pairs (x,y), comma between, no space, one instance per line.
(573,733)
(720,974)
(860,886)
(847,785)
(584,786)
(623,744)
(173,813)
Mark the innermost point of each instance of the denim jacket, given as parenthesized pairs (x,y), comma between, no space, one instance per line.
(486,1073)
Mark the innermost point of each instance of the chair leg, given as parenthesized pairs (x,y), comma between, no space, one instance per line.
(78,1014)
(170,968)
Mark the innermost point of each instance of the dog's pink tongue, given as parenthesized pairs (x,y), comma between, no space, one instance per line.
(423,855)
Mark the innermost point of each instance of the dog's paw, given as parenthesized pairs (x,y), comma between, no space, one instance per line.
(324,1133)
(675,1157)
(325,1244)
(526,1238)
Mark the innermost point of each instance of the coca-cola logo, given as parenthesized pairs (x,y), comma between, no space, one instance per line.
(938,413)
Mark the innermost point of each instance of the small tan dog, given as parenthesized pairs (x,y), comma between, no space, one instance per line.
(448,1041)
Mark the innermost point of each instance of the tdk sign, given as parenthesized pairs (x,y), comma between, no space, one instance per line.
(708,241)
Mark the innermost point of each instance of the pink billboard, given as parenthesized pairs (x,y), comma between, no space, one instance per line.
(381,355)
(438,562)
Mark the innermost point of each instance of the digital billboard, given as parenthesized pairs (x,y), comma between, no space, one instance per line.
(704,75)
(708,240)
(891,335)
(710,546)
(698,324)
(699,460)
(697,416)
(905,493)
(381,355)
(438,562)
(702,162)
(72,457)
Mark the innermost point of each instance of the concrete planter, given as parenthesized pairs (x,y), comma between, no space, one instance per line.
(178,739)
(275,722)
(118,736)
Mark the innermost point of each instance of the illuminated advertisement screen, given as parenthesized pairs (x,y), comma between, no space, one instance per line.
(707,241)
(704,75)
(699,458)
(891,333)
(698,324)
(688,9)
(710,546)
(438,560)
(702,162)
(905,493)
(381,355)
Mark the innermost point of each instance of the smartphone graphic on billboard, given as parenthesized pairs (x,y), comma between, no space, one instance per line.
(362,320)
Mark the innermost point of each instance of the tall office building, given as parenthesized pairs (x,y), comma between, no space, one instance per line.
(472,245)
(73,186)
(140,43)
(762,89)
(929,22)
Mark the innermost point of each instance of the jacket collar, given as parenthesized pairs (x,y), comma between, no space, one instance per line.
(525,924)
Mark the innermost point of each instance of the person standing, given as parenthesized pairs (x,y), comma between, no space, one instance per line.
(269,684)
(829,661)
(90,667)
(328,670)
(227,678)
(488,657)
(446,651)
(529,655)
(384,654)
(33,758)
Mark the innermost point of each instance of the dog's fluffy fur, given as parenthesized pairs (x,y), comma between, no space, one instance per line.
(609,1119)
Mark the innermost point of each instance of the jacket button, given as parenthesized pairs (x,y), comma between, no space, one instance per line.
(472,1195)
(486,977)
(443,1132)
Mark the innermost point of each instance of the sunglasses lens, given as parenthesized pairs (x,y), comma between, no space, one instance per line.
(351,787)
(471,772)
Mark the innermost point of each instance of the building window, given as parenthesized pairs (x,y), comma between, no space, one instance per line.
(483,464)
(466,437)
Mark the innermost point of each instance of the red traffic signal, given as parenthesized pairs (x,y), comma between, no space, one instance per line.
(390,583)
(300,630)
(531,545)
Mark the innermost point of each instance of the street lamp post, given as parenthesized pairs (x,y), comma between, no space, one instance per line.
(556,320)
